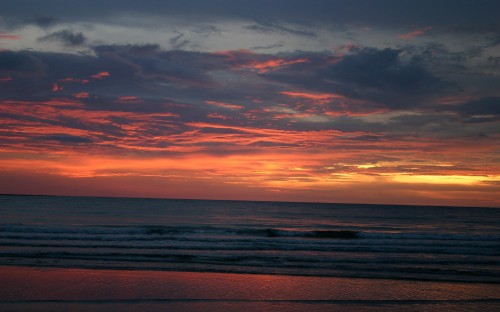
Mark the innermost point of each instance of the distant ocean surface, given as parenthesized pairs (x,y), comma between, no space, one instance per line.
(373,241)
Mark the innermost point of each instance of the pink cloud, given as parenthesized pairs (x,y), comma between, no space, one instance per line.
(224,105)
(128,99)
(56,87)
(217,116)
(101,75)
(247,59)
(415,33)
(265,66)
(70,79)
(81,95)
(320,98)
(9,37)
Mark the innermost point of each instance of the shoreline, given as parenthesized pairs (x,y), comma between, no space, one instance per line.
(249,272)
(318,287)
(58,289)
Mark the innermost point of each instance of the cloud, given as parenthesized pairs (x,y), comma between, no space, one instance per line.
(174,90)
(481,110)
(16,21)
(224,105)
(9,36)
(267,47)
(383,70)
(100,75)
(174,67)
(321,98)
(309,89)
(21,63)
(416,33)
(177,42)
(465,15)
(65,138)
(383,76)
(268,27)
(65,36)
(43,21)
(391,78)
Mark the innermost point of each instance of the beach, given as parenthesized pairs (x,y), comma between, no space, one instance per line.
(59,289)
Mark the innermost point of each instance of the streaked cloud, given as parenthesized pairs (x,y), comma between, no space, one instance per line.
(415,33)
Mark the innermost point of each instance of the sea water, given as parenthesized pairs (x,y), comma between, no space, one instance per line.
(310,239)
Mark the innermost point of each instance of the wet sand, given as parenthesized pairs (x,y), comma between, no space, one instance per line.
(60,289)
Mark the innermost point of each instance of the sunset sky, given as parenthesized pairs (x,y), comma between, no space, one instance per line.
(386,101)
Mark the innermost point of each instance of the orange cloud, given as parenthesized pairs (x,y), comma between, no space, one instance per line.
(218,116)
(9,37)
(342,50)
(60,138)
(232,54)
(224,105)
(101,75)
(296,174)
(70,79)
(128,99)
(312,96)
(265,66)
(56,87)
(415,33)
(320,98)
(81,95)
(247,59)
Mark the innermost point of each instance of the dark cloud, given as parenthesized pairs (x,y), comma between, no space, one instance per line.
(481,110)
(269,27)
(65,138)
(180,82)
(175,67)
(43,21)
(178,41)
(446,14)
(35,73)
(271,46)
(495,41)
(17,21)
(65,36)
(142,70)
(494,61)
(206,30)
(20,63)
(381,77)
(374,73)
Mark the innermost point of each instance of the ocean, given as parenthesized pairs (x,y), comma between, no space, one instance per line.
(450,244)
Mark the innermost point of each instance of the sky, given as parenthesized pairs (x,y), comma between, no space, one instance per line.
(359,101)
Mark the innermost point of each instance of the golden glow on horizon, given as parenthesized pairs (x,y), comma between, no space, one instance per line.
(279,169)
(281,174)
(445,179)
(319,164)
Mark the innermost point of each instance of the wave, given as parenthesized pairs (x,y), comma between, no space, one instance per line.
(295,251)
(153,232)
(470,272)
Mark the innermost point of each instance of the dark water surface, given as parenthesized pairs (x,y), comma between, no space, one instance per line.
(373,241)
